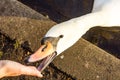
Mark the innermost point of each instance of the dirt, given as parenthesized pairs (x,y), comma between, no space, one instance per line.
(10,49)
(20,37)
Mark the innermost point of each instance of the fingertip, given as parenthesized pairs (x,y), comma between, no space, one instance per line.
(40,75)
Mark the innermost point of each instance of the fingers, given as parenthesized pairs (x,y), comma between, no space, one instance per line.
(12,68)
(30,70)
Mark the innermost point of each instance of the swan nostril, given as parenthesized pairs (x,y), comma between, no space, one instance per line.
(61,36)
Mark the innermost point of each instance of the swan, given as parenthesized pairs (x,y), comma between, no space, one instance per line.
(62,36)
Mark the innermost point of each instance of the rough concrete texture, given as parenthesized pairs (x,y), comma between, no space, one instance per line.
(24,29)
(15,8)
(84,61)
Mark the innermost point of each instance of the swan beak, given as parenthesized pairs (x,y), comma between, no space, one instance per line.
(46,53)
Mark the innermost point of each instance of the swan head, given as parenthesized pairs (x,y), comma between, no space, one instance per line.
(47,52)
(59,38)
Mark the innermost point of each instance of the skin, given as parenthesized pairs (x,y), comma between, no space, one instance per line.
(11,68)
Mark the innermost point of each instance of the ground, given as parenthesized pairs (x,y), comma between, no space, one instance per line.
(10,49)
(20,37)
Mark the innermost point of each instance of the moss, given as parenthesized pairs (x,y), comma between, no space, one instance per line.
(16,44)
(1,54)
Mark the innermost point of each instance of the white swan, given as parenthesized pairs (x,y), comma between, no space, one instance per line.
(64,35)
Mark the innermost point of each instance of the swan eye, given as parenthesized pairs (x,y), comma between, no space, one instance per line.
(44,48)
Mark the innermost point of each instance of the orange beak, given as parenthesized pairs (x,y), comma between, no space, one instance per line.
(45,52)
(41,53)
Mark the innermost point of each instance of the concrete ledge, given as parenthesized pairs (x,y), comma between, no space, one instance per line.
(25,29)
(84,61)
(15,8)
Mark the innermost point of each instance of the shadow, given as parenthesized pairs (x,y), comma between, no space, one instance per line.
(59,12)
(105,38)
(45,9)
(6,44)
(26,47)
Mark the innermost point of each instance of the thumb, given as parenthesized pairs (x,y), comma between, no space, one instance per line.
(30,70)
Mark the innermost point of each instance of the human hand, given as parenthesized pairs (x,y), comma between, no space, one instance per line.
(11,68)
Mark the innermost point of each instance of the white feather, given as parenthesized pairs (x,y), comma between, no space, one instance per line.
(105,13)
